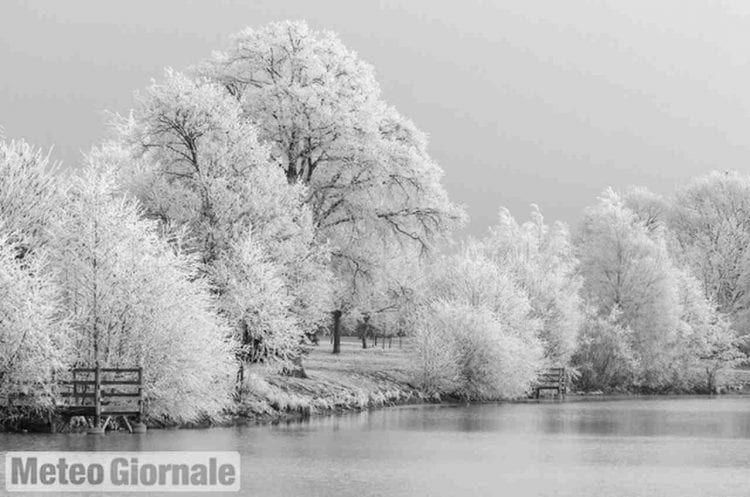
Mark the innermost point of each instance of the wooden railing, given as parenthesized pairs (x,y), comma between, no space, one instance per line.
(97,394)
(103,393)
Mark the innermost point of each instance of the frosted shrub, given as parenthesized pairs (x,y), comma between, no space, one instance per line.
(483,319)
(490,363)
(434,368)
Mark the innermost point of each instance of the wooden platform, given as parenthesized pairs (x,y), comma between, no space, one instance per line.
(101,394)
(97,394)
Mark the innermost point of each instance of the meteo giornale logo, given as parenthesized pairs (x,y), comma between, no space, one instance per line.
(122,471)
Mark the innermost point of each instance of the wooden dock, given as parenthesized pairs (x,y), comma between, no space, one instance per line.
(102,394)
(551,379)
(97,394)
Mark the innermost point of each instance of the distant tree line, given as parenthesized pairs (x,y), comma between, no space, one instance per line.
(648,293)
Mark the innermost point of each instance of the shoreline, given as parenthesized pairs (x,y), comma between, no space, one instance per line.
(298,417)
(356,380)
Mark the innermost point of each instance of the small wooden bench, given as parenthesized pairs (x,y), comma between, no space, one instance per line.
(551,379)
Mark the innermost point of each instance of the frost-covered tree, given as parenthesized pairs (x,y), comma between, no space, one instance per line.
(711,222)
(388,298)
(33,331)
(651,209)
(29,195)
(473,279)
(705,344)
(542,261)
(652,324)
(135,299)
(628,270)
(195,163)
(372,186)
(256,301)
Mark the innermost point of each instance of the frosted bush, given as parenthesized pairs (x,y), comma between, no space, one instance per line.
(466,351)
(434,368)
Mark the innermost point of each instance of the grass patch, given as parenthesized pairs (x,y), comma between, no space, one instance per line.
(355,379)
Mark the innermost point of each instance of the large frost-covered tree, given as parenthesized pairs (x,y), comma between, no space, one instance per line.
(543,262)
(197,164)
(371,183)
(134,299)
(627,270)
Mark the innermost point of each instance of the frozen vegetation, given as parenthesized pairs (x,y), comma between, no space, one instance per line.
(269,197)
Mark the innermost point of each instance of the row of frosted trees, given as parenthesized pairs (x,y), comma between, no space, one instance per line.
(239,207)
(648,292)
(84,278)
(270,191)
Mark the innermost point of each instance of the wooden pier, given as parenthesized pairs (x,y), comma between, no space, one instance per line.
(97,394)
(102,394)
(551,379)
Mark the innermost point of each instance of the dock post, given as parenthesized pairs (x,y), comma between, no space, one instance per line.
(97,429)
(139,426)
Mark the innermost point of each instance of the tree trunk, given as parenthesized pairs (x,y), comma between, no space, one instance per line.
(240,380)
(364,339)
(337,331)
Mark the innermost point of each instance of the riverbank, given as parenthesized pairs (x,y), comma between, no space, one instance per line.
(353,380)
(358,379)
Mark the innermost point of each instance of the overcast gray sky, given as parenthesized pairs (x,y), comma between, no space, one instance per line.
(543,102)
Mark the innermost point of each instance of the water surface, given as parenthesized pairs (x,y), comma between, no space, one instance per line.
(636,447)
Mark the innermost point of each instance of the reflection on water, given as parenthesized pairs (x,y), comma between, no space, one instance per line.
(660,447)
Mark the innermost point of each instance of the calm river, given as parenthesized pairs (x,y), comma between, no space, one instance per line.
(657,447)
